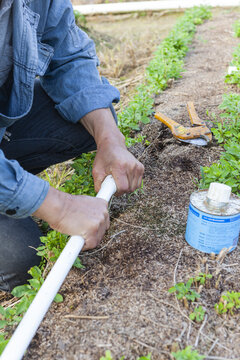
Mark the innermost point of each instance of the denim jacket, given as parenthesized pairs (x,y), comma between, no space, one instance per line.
(46,43)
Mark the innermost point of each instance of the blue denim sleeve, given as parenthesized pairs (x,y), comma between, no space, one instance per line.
(72,79)
(21,193)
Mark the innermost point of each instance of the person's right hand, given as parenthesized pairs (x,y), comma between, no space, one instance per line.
(76,215)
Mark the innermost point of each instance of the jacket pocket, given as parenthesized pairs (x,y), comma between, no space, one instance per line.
(45,54)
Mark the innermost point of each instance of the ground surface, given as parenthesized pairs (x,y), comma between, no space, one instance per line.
(126,281)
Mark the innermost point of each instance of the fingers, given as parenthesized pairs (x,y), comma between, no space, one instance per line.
(97,230)
(136,176)
(128,177)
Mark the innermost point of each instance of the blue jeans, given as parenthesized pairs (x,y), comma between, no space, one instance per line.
(40,139)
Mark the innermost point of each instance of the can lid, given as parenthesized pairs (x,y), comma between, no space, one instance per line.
(219,193)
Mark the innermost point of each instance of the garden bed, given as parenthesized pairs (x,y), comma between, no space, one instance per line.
(120,301)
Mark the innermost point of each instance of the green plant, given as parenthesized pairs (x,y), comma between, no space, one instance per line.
(202,277)
(54,242)
(226,171)
(3,342)
(184,291)
(236,27)
(228,128)
(81,182)
(227,132)
(108,356)
(234,77)
(187,354)
(228,303)
(166,65)
(197,314)
(11,316)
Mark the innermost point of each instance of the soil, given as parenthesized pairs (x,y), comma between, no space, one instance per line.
(125,281)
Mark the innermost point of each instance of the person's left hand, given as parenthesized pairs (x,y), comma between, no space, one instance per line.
(112,155)
(114,158)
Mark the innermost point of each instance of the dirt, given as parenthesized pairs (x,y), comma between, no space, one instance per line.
(125,281)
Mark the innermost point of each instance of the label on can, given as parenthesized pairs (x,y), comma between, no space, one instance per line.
(211,233)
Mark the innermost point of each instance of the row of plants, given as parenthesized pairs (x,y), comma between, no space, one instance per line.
(227,133)
(167,64)
(185,354)
(229,302)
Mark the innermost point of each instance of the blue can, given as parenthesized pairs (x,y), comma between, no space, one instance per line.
(208,231)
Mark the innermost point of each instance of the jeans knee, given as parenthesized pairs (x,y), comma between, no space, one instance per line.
(19,239)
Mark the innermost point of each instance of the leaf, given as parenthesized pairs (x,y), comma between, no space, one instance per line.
(78,264)
(3,323)
(172,290)
(35,284)
(21,290)
(22,307)
(58,298)
(2,311)
(35,272)
(3,344)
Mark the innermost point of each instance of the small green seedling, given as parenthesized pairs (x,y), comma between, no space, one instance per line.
(201,278)
(3,342)
(236,27)
(53,244)
(108,356)
(184,291)
(148,357)
(187,354)
(13,315)
(197,314)
(228,303)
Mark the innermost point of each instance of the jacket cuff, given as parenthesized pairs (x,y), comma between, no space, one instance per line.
(75,107)
(28,196)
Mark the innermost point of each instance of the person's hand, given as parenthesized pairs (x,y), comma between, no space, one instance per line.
(76,215)
(112,155)
(114,158)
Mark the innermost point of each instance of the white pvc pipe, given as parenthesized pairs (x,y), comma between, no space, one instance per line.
(42,301)
(126,7)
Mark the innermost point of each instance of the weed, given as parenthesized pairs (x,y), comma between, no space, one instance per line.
(227,132)
(197,314)
(201,278)
(3,341)
(228,303)
(81,182)
(56,175)
(229,126)
(187,354)
(234,77)
(108,356)
(226,171)
(236,27)
(184,291)
(11,316)
(54,243)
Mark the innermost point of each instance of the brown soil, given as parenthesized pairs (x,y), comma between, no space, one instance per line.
(144,252)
